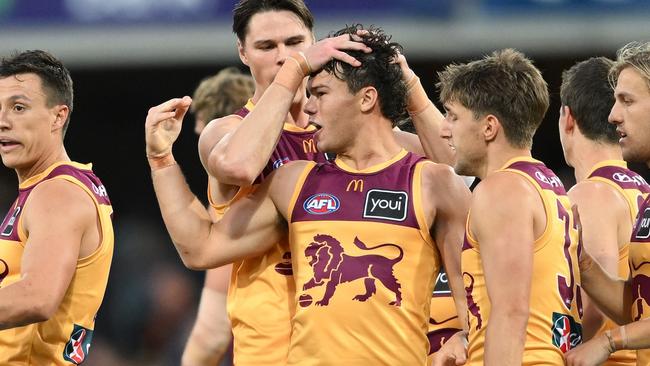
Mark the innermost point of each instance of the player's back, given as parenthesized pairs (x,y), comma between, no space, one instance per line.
(65,337)
(555,307)
(630,187)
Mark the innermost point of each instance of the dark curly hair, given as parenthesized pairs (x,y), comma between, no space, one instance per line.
(377,70)
(55,78)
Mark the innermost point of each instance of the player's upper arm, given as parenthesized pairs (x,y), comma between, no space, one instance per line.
(409,141)
(58,214)
(212,134)
(446,203)
(252,224)
(502,221)
(603,212)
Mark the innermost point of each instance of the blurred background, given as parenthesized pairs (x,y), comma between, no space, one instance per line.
(128,55)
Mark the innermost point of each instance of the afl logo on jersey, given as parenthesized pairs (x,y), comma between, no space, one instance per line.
(280,162)
(321,204)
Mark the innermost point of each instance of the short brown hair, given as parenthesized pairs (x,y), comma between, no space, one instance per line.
(245,9)
(586,91)
(504,84)
(634,54)
(222,94)
(55,77)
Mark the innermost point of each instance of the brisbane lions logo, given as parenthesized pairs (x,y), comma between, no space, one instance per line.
(333,267)
(641,290)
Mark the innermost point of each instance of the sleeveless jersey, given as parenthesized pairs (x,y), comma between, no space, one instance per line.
(631,186)
(364,264)
(65,338)
(555,307)
(443,320)
(261,292)
(640,270)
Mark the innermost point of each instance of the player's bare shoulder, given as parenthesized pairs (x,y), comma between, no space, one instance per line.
(444,193)
(597,196)
(214,132)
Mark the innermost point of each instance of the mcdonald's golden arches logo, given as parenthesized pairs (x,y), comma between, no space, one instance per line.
(356,185)
(309,146)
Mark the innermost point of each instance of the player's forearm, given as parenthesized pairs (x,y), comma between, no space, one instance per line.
(427,120)
(592,318)
(505,338)
(211,334)
(612,295)
(242,155)
(20,305)
(186,219)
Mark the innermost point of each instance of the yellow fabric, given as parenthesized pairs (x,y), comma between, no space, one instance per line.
(623,357)
(44,343)
(640,268)
(384,334)
(548,262)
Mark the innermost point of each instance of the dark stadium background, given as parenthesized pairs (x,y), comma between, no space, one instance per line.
(123,66)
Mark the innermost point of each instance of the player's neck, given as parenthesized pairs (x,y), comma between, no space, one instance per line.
(47,159)
(370,148)
(585,157)
(499,154)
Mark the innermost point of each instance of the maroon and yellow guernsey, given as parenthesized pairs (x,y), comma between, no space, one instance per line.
(65,338)
(640,270)
(554,324)
(633,188)
(443,320)
(261,293)
(364,264)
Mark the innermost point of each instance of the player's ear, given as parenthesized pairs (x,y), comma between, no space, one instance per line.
(368,98)
(60,113)
(491,127)
(568,121)
(242,53)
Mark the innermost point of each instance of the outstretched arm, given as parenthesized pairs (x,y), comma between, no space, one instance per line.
(57,218)
(426,117)
(502,222)
(239,157)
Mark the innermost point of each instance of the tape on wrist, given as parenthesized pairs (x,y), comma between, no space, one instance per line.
(160,162)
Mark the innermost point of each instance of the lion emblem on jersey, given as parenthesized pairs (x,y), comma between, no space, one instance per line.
(332,267)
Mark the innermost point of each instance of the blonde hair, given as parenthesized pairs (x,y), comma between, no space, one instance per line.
(222,94)
(634,54)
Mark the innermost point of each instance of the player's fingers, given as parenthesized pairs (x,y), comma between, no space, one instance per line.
(183,107)
(169,105)
(342,56)
(154,119)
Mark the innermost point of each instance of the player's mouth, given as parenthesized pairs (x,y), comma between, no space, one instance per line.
(7,145)
(622,135)
(315,124)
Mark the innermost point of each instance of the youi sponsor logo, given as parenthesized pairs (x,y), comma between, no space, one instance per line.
(387,205)
(321,204)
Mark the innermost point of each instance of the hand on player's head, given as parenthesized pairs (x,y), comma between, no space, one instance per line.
(334,48)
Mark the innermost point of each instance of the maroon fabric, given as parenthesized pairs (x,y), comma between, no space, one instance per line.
(86,177)
(541,174)
(327,181)
(625,178)
(291,146)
